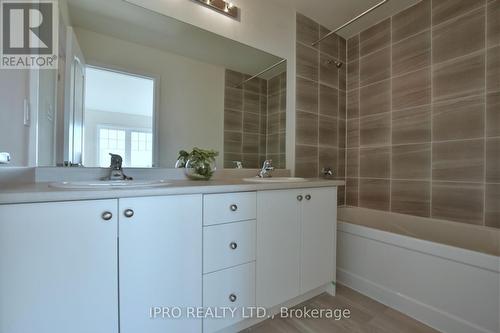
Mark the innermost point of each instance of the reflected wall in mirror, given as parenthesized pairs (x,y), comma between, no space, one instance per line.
(119,110)
(255,119)
(143,85)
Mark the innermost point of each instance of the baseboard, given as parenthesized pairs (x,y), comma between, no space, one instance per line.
(424,313)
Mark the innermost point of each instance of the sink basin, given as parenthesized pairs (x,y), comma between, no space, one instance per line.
(106,185)
(275,180)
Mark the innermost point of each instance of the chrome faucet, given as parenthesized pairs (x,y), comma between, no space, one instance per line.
(116,171)
(266,170)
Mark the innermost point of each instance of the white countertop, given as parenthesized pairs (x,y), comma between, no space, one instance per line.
(41,192)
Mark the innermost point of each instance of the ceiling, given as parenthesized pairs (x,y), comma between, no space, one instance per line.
(125,21)
(334,13)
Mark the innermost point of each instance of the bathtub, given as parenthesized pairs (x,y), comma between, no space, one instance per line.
(444,274)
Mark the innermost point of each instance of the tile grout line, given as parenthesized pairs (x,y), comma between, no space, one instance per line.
(359,121)
(390,107)
(485,108)
(318,107)
(432,116)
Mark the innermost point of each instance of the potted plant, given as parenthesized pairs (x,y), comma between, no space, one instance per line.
(199,164)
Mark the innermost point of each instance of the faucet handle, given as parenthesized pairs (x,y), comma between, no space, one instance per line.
(268,165)
(327,172)
(116,161)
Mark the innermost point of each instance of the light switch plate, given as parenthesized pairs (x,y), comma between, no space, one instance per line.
(4,158)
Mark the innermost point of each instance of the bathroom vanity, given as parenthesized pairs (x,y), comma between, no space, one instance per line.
(101,264)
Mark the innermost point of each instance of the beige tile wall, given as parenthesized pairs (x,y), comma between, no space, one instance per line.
(254,120)
(320,102)
(423,113)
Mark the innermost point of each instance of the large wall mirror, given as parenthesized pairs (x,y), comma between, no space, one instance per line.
(143,85)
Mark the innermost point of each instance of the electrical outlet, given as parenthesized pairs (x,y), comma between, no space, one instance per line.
(27,114)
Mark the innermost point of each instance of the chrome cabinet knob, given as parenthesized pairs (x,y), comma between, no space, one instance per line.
(300,197)
(233,208)
(106,216)
(233,245)
(308,197)
(233,298)
(128,213)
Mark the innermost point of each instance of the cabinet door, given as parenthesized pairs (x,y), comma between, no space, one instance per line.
(160,255)
(278,249)
(58,268)
(319,227)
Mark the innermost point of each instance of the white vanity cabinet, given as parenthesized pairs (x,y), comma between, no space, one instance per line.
(228,256)
(296,242)
(94,266)
(160,257)
(102,266)
(58,267)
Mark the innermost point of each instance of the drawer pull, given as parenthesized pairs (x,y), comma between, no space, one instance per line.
(308,197)
(300,197)
(233,208)
(106,216)
(233,245)
(233,298)
(128,213)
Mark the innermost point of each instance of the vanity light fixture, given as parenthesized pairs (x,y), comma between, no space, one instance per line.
(222,6)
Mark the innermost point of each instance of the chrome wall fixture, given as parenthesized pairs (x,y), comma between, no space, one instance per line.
(349,22)
(222,6)
(260,73)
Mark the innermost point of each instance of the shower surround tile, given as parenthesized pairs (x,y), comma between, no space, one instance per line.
(320,118)
(460,161)
(307,62)
(432,110)
(448,38)
(459,119)
(375,67)
(375,98)
(493,23)
(376,37)
(461,202)
(411,125)
(411,198)
(329,45)
(459,78)
(307,30)
(493,114)
(444,10)
(493,69)
(492,217)
(493,160)
(411,54)
(411,90)
(375,193)
(411,161)
(411,21)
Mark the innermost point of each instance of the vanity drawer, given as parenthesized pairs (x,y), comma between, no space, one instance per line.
(229,207)
(228,245)
(230,288)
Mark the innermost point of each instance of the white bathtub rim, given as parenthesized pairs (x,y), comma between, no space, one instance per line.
(464,256)
(429,315)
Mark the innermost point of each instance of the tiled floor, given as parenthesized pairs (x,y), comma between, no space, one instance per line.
(367,316)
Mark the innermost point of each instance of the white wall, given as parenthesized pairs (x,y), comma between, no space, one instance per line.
(191,104)
(14,88)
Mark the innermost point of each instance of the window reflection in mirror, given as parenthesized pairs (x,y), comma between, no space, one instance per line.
(119,113)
